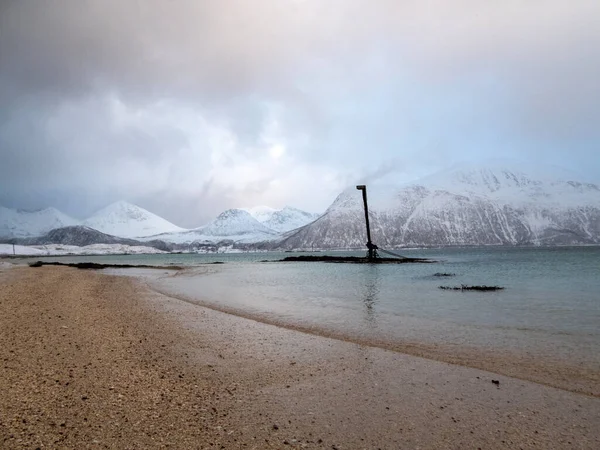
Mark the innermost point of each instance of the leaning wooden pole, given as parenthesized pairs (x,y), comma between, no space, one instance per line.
(372,248)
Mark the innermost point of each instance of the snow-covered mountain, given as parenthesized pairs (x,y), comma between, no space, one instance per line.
(124,219)
(234,222)
(261,213)
(469,205)
(288,219)
(244,225)
(15,223)
(232,225)
(281,220)
(498,204)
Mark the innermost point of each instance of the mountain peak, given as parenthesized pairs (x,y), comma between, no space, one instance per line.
(121,206)
(125,219)
(234,222)
(261,213)
(22,223)
(234,212)
(281,220)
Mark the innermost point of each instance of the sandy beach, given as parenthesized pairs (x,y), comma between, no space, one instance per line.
(99,361)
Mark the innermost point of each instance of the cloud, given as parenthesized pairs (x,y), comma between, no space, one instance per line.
(231,103)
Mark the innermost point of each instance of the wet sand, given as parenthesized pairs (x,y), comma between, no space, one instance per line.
(90,360)
(560,365)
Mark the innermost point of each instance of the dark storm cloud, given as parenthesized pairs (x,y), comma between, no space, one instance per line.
(192,106)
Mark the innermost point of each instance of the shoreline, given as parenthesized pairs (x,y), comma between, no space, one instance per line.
(155,370)
(545,369)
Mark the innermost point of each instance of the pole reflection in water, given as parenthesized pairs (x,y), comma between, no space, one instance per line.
(371,292)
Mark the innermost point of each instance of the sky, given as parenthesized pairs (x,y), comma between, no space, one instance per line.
(188,108)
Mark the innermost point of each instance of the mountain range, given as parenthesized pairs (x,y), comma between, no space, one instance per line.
(129,224)
(494,204)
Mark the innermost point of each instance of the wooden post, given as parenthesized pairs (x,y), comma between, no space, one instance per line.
(372,252)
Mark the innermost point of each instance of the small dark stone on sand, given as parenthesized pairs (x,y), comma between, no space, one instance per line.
(496,382)
(276,427)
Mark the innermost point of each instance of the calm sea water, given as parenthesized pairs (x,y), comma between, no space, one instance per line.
(550,307)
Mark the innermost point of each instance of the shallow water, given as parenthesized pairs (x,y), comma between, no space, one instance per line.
(549,309)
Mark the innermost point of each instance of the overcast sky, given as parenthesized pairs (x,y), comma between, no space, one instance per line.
(188,108)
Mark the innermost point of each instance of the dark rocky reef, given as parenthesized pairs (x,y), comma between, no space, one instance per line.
(464,287)
(353,259)
(96,266)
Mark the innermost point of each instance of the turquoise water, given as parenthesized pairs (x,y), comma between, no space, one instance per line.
(550,307)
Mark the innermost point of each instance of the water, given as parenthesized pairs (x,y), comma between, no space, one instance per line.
(550,309)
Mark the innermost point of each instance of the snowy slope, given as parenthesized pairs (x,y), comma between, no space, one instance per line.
(288,219)
(471,205)
(233,222)
(94,249)
(21,250)
(231,225)
(261,213)
(281,220)
(124,219)
(98,249)
(522,185)
(20,223)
